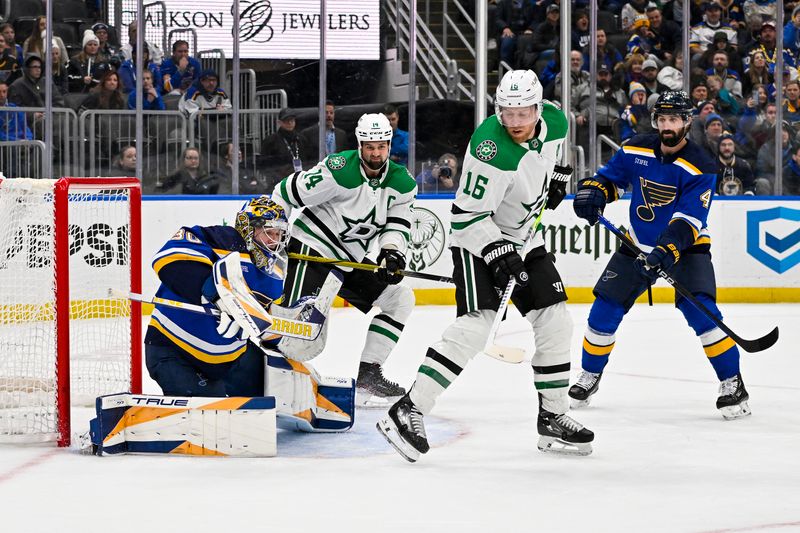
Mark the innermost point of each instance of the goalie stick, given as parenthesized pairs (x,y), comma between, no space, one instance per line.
(285,327)
(752,346)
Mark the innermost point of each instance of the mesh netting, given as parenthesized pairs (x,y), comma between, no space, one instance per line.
(99,327)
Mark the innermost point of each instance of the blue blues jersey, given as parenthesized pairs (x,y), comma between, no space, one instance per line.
(184,265)
(665,188)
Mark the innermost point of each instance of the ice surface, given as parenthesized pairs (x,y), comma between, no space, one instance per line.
(664,459)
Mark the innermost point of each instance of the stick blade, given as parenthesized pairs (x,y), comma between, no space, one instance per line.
(758,345)
(507,354)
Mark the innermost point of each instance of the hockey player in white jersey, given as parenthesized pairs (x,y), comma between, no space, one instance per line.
(348,202)
(507,180)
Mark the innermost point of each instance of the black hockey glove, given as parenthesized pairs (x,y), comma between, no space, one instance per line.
(590,200)
(390,262)
(557,189)
(505,263)
(661,258)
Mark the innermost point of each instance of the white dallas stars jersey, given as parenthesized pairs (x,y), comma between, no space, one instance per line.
(343,211)
(503,185)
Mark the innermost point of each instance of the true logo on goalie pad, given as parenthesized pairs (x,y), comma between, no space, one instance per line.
(280,325)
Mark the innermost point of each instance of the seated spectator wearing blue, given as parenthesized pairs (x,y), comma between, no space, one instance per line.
(441,177)
(9,68)
(791,174)
(730,78)
(767,43)
(513,18)
(204,95)
(7,30)
(791,33)
(151,100)
(81,71)
(702,35)
(399,151)
(606,53)
(791,104)
(642,41)
(13,124)
(127,71)
(179,72)
(635,118)
(734,174)
(580,30)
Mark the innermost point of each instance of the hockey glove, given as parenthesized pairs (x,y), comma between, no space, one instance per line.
(661,258)
(390,263)
(590,200)
(505,263)
(557,189)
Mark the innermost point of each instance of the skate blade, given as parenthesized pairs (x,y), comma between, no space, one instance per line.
(732,412)
(367,400)
(560,447)
(578,404)
(389,431)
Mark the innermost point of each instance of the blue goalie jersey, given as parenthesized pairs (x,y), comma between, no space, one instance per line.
(183,265)
(664,187)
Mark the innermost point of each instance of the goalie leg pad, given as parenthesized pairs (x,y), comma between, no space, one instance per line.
(305,400)
(139,423)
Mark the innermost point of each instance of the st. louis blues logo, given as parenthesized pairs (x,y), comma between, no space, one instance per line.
(654,194)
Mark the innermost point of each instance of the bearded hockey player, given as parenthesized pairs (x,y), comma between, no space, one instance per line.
(673,183)
(349,202)
(507,180)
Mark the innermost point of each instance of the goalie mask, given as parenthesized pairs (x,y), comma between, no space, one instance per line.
(265,229)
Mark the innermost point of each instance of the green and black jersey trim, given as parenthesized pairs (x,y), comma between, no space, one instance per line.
(294,199)
(470,283)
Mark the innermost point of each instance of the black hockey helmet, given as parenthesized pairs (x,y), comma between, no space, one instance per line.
(673,103)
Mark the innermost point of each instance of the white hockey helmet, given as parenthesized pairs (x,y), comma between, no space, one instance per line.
(373,127)
(518,89)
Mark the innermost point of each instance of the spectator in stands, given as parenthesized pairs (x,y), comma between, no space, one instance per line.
(127,71)
(642,40)
(606,53)
(204,95)
(765,8)
(721,44)
(697,131)
(399,152)
(83,65)
(766,45)
(635,118)
(765,165)
(671,75)
(715,125)
(13,124)
(791,104)
(9,68)
(29,90)
(284,151)
(732,13)
(179,72)
(758,72)
(8,32)
(106,50)
(514,18)
(666,33)
(727,104)
(441,177)
(191,176)
(611,100)
(700,93)
(335,138)
(631,68)
(580,30)
(107,94)
(730,78)
(545,39)
(791,174)
(249,180)
(34,44)
(791,33)
(579,79)
(124,164)
(126,50)
(734,174)
(758,127)
(633,9)
(60,71)
(152,100)
(702,35)
(649,78)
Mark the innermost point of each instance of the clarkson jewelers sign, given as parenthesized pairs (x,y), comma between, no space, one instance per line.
(268,29)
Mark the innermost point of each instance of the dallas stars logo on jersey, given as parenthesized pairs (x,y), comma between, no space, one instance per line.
(486,150)
(360,230)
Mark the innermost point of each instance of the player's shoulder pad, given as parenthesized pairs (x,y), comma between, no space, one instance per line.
(344,167)
(643,144)
(399,178)
(222,238)
(695,160)
(555,122)
(491,144)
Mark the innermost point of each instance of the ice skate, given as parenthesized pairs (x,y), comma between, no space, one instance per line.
(587,384)
(374,390)
(404,430)
(563,435)
(732,400)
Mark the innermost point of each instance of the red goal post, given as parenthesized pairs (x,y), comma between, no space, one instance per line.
(63,340)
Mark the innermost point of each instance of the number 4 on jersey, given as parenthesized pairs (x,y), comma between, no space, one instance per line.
(312,179)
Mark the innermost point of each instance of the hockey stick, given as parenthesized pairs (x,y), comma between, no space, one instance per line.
(508,354)
(367,266)
(285,327)
(752,346)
